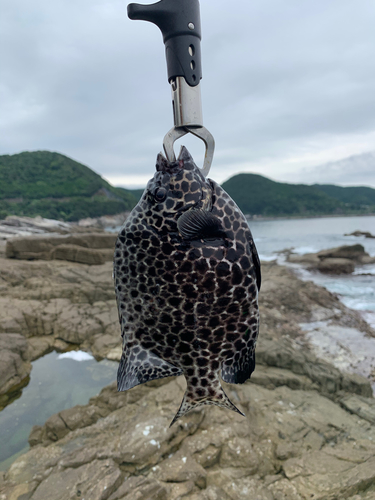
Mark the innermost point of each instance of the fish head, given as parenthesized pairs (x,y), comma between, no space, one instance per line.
(177,187)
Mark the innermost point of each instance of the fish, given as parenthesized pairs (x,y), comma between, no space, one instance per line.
(187,277)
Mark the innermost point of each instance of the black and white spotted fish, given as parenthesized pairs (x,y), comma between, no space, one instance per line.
(187,276)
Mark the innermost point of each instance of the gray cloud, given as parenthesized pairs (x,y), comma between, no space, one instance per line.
(360,167)
(286,85)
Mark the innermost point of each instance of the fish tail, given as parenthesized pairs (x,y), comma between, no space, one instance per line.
(214,395)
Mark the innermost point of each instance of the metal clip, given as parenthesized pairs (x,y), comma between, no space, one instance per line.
(175,133)
(187,114)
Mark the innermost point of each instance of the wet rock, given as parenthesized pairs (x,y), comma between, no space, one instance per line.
(352,252)
(336,266)
(361,233)
(340,260)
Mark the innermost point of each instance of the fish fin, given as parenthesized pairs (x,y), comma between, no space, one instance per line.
(256,262)
(161,163)
(184,155)
(236,374)
(199,224)
(190,402)
(132,371)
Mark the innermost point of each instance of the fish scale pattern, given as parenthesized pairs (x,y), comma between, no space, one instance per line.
(187,292)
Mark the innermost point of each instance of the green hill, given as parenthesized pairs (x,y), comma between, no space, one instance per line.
(356,196)
(55,186)
(137,193)
(257,195)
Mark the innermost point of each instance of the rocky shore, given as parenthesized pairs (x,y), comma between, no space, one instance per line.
(340,260)
(309,431)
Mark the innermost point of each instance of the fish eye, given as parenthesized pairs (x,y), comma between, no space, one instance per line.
(160,194)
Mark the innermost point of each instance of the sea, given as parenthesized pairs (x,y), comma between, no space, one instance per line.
(301,236)
(60,381)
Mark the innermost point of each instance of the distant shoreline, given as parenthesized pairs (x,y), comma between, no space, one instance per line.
(261,218)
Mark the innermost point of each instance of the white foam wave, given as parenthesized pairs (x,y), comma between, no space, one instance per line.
(303,250)
(267,258)
(76,356)
(364,270)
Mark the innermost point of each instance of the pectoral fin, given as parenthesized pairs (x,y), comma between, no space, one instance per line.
(199,224)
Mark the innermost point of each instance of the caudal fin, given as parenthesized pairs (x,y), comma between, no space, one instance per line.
(215,397)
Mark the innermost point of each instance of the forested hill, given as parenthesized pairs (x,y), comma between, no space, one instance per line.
(55,186)
(257,195)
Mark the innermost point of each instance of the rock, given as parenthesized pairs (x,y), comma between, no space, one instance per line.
(320,448)
(210,493)
(352,252)
(75,253)
(25,226)
(330,474)
(361,406)
(310,371)
(72,247)
(14,367)
(336,266)
(307,258)
(361,233)
(180,468)
(340,260)
(94,481)
(244,488)
(39,346)
(302,413)
(140,488)
(36,435)
(271,378)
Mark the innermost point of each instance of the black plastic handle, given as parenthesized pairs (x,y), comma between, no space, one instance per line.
(180,24)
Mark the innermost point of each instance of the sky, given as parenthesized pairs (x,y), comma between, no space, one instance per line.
(288,88)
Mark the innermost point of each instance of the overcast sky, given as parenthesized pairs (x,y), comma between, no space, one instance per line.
(288,85)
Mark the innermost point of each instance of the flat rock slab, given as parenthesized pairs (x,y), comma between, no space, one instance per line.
(83,248)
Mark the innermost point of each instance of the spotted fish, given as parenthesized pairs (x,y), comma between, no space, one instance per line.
(187,276)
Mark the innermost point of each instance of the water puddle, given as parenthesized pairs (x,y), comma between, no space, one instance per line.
(58,381)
